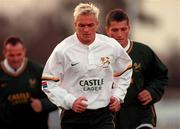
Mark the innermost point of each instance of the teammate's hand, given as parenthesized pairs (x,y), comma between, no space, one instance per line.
(79,104)
(145,97)
(36,105)
(114,104)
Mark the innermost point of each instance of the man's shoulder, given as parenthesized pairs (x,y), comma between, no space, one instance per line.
(103,37)
(66,43)
(34,67)
(107,40)
(141,45)
(33,63)
(70,38)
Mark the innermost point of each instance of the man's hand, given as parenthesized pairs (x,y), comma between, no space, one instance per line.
(36,105)
(114,104)
(80,104)
(145,97)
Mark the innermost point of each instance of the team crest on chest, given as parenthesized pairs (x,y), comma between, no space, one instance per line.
(137,66)
(32,82)
(105,61)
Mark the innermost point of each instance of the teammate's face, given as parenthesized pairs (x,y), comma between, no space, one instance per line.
(119,31)
(86,26)
(14,55)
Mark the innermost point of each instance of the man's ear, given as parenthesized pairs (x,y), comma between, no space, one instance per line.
(97,22)
(74,23)
(4,52)
(107,32)
(129,28)
(25,51)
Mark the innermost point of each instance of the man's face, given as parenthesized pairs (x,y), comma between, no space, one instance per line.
(86,26)
(14,55)
(119,31)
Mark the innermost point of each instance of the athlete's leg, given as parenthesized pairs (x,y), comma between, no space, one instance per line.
(106,120)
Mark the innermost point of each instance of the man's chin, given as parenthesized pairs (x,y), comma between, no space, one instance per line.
(16,66)
(87,41)
(121,41)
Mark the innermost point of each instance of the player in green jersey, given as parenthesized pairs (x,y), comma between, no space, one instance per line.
(149,76)
(23,105)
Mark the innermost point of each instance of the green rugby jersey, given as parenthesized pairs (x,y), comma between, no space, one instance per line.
(16,89)
(148,73)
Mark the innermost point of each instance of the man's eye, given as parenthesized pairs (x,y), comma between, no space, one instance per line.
(124,29)
(114,30)
(90,25)
(81,25)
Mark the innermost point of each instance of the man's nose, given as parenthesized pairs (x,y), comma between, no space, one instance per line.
(86,28)
(16,58)
(119,33)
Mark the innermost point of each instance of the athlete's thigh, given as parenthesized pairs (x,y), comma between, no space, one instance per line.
(128,118)
(106,122)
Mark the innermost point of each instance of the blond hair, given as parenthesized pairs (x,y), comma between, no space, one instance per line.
(86,9)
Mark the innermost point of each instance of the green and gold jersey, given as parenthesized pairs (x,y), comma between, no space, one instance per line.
(148,73)
(16,91)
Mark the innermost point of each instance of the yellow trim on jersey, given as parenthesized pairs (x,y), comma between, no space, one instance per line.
(50,78)
(130,48)
(119,74)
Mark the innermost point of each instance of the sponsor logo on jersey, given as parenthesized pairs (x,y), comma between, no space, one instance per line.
(91,84)
(19,98)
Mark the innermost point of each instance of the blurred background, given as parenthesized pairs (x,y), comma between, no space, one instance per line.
(42,24)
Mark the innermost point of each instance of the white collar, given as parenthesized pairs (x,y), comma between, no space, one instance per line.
(127,46)
(10,69)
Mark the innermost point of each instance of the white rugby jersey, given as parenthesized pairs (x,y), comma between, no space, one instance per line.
(87,70)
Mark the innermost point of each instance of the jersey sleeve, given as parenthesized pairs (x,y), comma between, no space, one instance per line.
(51,81)
(122,73)
(156,78)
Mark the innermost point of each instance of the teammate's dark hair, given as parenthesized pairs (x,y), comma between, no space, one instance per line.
(116,15)
(13,40)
